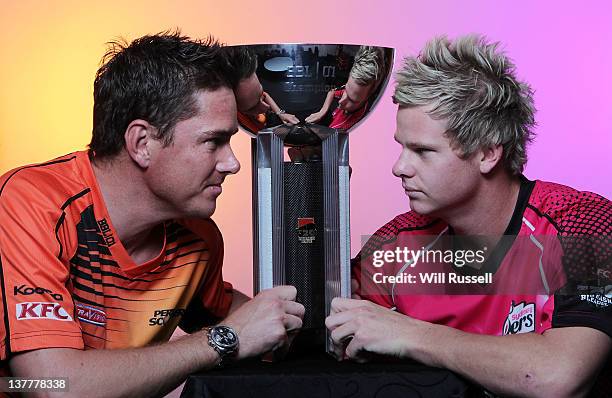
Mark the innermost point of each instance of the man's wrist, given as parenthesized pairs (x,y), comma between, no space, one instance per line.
(434,343)
(209,357)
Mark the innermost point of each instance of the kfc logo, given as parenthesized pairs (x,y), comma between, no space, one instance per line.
(90,314)
(42,311)
(521,319)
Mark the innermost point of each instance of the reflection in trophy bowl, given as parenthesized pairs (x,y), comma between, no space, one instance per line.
(309,87)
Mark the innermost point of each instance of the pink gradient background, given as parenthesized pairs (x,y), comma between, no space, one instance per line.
(50,53)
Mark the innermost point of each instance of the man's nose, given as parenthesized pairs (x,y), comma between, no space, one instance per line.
(403,167)
(229,163)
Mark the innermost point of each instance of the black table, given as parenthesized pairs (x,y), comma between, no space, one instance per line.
(320,376)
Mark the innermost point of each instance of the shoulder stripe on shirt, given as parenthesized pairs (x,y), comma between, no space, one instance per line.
(60,221)
(32,166)
(381,239)
(546,216)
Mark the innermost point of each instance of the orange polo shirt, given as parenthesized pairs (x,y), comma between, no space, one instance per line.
(67,281)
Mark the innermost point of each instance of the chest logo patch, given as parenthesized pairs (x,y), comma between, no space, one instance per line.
(53,311)
(520,319)
(90,314)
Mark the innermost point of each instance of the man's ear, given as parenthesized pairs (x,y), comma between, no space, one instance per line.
(489,157)
(138,139)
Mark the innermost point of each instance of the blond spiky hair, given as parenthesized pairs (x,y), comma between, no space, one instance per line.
(471,84)
(368,66)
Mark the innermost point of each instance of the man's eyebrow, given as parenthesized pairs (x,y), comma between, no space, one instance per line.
(413,144)
(220,133)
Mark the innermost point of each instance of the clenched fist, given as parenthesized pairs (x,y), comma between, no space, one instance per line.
(262,323)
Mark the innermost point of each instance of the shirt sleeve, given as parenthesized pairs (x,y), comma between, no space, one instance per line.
(586,238)
(37,310)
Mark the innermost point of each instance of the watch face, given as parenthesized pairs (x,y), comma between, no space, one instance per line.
(224,336)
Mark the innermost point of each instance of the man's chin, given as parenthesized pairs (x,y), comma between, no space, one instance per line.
(200,212)
(421,208)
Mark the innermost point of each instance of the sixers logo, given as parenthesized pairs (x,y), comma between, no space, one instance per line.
(521,319)
(90,314)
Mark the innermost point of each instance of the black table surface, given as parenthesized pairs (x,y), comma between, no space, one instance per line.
(321,376)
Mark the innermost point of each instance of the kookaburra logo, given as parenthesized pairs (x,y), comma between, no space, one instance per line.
(521,319)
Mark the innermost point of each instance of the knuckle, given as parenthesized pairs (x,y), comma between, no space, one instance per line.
(278,333)
(276,305)
(361,337)
(335,303)
(278,318)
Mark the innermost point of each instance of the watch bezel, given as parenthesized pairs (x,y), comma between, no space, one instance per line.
(216,335)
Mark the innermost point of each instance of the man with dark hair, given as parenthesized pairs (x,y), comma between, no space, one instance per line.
(530,313)
(103,254)
(241,65)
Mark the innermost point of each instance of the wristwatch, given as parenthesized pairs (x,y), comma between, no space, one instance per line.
(224,340)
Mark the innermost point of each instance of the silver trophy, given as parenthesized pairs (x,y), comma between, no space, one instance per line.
(316,95)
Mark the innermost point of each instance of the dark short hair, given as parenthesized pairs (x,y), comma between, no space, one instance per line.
(154,78)
(239,63)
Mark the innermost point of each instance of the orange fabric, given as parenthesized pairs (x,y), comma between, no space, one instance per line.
(251,124)
(67,281)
